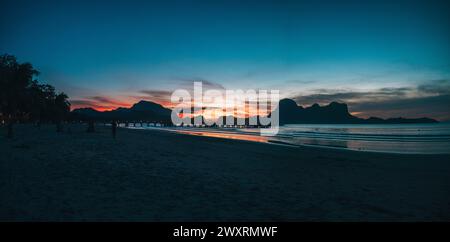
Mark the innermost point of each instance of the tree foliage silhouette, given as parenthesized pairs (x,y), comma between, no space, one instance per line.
(23,98)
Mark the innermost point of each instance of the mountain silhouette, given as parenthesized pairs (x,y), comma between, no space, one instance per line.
(141,111)
(333,113)
(290,113)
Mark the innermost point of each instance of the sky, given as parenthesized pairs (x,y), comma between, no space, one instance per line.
(382,58)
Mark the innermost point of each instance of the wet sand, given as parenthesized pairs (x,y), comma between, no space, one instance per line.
(162,176)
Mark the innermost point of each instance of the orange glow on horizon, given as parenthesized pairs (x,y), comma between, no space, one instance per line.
(113,105)
(226,135)
(100,107)
(242,112)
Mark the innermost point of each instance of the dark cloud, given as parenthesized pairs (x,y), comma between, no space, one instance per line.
(157,93)
(77,102)
(426,100)
(158,96)
(188,84)
(326,96)
(82,103)
(100,99)
(98,102)
(433,106)
(441,87)
(211,85)
(394,91)
(105,100)
(163,96)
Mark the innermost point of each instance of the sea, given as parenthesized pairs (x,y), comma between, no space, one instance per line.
(392,138)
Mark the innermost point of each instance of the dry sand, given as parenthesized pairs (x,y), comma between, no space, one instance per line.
(161,176)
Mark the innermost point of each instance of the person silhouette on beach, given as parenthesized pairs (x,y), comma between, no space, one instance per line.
(114,128)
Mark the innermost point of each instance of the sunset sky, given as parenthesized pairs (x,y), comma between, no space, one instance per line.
(384,59)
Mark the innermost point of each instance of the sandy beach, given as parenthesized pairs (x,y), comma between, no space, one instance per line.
(161,176)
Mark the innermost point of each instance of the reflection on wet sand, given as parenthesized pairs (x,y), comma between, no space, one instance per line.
(412,139)
(226,135)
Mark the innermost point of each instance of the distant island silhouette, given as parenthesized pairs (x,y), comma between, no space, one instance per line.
(333,113)
(290,113)
(143,110)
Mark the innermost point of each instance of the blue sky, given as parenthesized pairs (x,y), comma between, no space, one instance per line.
(375,55)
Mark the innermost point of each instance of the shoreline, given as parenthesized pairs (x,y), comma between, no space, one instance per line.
(165,176)
(250,138)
